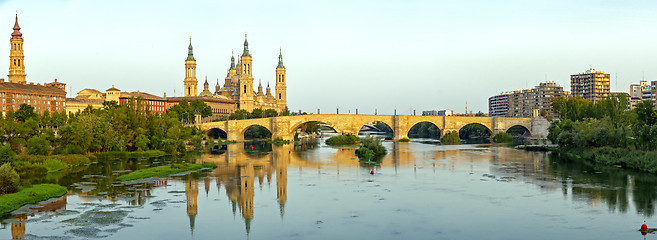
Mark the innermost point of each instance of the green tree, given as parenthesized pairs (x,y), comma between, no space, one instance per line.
(285,112)
(257,113)
(38,146)
(646,113)
(239,115)
(110,104)
(25,112)
(196,141)
(6,154)
(271,113)
(201,107)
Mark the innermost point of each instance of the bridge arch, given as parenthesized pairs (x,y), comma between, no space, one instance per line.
(515,130)
(424,129)
(244,130)
(357,123)
(299,124)
(379,125)
(475,130)
(216,133)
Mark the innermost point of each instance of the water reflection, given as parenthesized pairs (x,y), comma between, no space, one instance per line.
(242,166)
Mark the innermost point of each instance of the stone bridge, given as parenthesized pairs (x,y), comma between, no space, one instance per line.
(285,126)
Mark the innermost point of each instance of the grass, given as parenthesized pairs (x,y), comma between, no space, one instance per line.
(34,194)
(342,140)
(163,171)
(69,161)
(404,140)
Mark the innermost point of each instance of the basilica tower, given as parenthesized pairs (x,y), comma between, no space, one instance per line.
(16,57)
(246,79)
(281,89)
(190,72)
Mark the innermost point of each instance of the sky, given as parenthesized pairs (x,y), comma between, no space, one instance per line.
(339,54)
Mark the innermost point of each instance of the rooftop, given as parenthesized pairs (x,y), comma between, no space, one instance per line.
(30,87)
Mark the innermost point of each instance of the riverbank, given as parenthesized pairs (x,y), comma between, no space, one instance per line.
(620,157)
(38,165)
(163,171)
(36,193)
(137,154)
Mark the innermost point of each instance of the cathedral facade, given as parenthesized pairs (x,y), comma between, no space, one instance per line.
(239,82)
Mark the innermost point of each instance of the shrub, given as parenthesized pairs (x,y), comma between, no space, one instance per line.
(6,154)
(169,145)
(38,146)
(279,141)
(53,165)
(502,138)
(370,148)
(342,140)
(73,149)
(451,138)
(196,141)
(404,140)
(17,144)
(8,179)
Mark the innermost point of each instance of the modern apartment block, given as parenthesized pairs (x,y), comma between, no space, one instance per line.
(642,91)
(526,103)
(591,85)
(498,105)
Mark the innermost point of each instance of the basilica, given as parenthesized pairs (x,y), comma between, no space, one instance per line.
(238,85)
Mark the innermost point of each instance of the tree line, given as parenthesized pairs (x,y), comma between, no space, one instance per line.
(606,132)
(114,127)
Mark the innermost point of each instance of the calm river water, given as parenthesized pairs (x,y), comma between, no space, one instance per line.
(418,191)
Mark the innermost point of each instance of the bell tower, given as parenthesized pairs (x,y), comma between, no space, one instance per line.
(281,89)
(246,79)
(190,72)
(16,57)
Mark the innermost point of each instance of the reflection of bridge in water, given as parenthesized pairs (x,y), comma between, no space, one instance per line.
(285,127)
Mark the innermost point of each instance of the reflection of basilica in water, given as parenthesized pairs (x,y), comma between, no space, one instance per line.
(237,172)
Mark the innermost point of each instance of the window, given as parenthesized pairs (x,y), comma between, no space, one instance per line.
(244,88)
(279,96)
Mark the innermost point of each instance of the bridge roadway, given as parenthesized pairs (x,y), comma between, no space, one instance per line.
(285,126)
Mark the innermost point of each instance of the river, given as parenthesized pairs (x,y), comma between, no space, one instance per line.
(314,191)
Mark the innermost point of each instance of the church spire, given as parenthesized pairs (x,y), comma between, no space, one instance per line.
(17,33)
(190,51)
(280,58)
(232,60)
(246,47)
